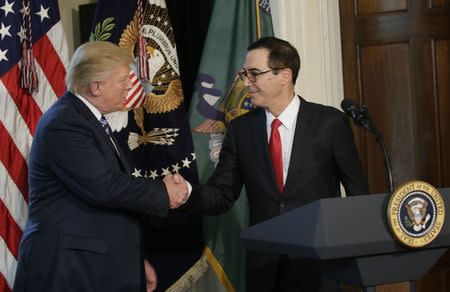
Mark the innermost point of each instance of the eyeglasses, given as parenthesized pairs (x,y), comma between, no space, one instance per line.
(251,75)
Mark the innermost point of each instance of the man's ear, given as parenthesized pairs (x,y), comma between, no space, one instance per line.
(286,73)
(94,88)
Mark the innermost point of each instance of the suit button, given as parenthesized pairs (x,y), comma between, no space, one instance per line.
(282,204)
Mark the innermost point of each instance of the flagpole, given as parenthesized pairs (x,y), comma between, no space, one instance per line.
(258,20)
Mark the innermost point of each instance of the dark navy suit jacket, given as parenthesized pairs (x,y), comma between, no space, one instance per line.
(82,233)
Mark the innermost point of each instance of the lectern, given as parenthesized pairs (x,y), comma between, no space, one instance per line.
(351,239)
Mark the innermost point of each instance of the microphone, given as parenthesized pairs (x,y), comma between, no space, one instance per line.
(360,114)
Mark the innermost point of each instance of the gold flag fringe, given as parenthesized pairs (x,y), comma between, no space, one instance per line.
(207,261)
(191,276)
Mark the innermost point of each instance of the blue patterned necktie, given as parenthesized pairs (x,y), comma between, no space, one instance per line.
(105,125)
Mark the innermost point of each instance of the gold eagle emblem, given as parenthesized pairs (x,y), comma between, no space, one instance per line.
(167,94)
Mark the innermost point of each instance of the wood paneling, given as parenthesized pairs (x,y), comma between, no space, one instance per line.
(442,52)
(438,3)
(396,62)
(391,64)
(383,92)
(425,147)
(371,6)
(398,287)
(438,278)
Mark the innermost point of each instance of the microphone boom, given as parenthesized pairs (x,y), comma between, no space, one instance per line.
(361,117)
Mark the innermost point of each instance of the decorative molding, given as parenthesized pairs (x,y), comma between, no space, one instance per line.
(332,52)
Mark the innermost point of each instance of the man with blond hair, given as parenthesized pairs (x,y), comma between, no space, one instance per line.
(82,232)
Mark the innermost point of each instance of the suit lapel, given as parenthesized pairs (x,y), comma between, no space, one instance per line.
(98,129)
(120,154)
(298,146)
(261,147)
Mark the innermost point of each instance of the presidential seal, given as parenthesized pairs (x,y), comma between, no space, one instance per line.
(416,213)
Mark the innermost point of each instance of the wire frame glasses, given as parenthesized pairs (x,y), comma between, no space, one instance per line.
(252,74)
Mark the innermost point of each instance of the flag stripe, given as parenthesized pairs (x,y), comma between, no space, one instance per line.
(136,94)
(13,200)
(8,264)
(138,102)
(14,123)
(132,92)
(9,231)
(45,96)
(26,104)
(14,162)
(19,115)
(50,63)
(58,40)
(136,98)
(3,286)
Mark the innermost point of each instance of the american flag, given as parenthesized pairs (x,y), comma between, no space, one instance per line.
(20,111)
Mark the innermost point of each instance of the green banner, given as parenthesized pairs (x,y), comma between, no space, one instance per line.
(218,98)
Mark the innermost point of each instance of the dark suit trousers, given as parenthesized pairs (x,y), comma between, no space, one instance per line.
(282,274)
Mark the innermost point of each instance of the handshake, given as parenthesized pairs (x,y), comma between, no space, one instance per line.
(177,188)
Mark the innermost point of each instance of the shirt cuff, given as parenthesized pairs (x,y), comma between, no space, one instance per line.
(189,188)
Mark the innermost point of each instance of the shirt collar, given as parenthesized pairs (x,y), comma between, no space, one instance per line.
(92,108)
(288,117)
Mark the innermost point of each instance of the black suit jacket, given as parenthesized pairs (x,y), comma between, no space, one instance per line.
(82,234)
(323,155)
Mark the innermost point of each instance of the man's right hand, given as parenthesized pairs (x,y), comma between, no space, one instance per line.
(177,190)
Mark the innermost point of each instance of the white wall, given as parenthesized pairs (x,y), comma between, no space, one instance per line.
(313,27)
(70,21)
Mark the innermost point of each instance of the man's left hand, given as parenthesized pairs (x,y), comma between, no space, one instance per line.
(150,276)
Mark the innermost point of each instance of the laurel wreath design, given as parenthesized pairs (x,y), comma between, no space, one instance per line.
(407,222)
(102,30)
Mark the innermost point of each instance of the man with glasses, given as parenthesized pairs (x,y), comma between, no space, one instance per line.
(287,152)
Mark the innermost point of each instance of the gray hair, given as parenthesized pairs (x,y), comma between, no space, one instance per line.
(92,61)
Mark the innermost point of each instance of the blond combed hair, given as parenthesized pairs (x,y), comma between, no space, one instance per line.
(92,61)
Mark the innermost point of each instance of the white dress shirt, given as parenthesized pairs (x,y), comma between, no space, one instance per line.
(92,108)
(288,119)
(97,115)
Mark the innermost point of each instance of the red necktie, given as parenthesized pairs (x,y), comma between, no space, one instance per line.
(275,153)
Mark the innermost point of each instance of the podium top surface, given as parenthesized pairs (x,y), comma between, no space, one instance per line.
(335,228)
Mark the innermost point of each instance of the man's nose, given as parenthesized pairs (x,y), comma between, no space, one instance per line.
(129,84)
(247,82)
